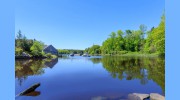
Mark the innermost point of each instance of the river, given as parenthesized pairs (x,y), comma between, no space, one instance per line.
(89,78)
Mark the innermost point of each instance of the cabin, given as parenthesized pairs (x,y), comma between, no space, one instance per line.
(50,49)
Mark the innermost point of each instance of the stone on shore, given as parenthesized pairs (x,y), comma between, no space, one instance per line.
(137,96)
(156,96)
(24,54)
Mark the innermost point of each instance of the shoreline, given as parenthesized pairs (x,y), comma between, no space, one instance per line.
(123,55)
(25,57)
(131,55)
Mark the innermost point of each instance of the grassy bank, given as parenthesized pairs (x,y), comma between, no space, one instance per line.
(136,54)
(140,55)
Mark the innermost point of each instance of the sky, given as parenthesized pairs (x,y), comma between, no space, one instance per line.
(78,24)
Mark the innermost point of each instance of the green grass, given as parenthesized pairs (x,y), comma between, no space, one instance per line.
(140,55)
(136,54)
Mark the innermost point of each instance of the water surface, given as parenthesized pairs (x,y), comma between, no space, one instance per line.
(89,78)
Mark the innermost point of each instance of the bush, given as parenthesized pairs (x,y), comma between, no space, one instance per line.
(43,54)
(18,51)
(49,55)
(36,48)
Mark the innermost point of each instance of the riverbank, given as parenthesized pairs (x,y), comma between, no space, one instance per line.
(133,54)
(27,57)
(136,54)
(48,56)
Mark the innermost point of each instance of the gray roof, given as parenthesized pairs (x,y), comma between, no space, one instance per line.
(46,46)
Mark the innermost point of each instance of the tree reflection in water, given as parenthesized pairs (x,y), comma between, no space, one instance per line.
(143,68)
(25,68)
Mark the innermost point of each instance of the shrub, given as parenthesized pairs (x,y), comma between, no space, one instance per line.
(43,54)
(36,48)
(49,55)
(18,51)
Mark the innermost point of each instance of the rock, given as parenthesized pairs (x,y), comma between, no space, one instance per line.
(34,93)
(156,96)
(99,98)
(30,89)
(133,97)
(25,54)
(137,96)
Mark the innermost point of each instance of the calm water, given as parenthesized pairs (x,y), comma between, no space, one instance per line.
(93,78)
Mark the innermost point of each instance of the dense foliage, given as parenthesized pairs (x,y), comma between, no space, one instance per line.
(120,42)
(95,49)
(155,41)
(22,42)
(139,41)
(36,48)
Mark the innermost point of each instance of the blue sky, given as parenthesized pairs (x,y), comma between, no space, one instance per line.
(78,24)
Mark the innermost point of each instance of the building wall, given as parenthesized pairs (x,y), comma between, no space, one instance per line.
(51,49)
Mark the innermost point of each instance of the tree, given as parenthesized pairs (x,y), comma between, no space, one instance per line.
(19,35)
(37,48)
(19,42)
(107,46)
(155,42)
(22,42)
(119,41)
(112,41)
(95,49)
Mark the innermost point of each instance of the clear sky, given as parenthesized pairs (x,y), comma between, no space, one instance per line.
(78,24)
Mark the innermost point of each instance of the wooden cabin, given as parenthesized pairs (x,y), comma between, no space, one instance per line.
(50,49)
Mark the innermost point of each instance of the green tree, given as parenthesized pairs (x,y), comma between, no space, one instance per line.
(22,42)
(63,51)
(119,44)
(19,35)
(155,42)
(95,49)
(37,48)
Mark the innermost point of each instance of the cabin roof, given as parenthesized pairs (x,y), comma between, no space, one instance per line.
(46,46)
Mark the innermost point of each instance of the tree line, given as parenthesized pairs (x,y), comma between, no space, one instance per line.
(69,51)
(140,41)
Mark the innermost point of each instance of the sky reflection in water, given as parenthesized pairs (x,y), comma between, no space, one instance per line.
(82,78)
